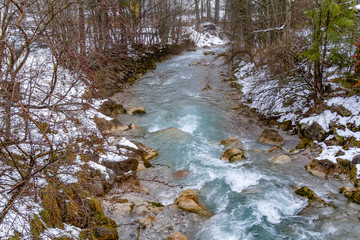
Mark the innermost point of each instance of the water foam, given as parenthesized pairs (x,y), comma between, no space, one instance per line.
(242,179)
(188,123)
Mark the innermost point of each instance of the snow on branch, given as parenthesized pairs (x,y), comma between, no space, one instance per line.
(271,29)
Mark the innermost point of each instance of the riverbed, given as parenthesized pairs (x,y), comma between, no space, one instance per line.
(251,199)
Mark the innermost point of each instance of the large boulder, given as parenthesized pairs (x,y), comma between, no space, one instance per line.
(280,159)
(233,154)
(321,168)
(272,137)
(313,131)
(177,236)
(188,201)
(232,142)
(136,110)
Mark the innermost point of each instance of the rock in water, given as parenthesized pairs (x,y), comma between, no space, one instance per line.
(353,194)
(233,154)
(280,159)
(182,174)
(271,136)
(177,236)
(174,134)
(309,194)
(188,201)
(209,53)
(136,110)
(207,88)
(232,142)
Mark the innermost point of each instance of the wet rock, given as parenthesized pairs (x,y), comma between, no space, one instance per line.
(147,221)
(177,236)
(188,201)
(233,154)
(110,127)
(111,108)
(121,167)
(206,88)
(117,207)
(320,168)
(232,142)
(309,194)
(312,132)
(272,137)
(280,159)
(341,110)
(136,110)
(194,63)
(182,174)
(209,53)
(147,153)
(275,149)
(133,126)
(130,183)
(141,208)
(174,134)
(353,194)
(105,233)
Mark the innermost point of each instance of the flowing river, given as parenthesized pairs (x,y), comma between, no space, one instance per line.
(253,199)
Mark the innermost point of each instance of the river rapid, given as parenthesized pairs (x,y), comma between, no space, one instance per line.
(253,199)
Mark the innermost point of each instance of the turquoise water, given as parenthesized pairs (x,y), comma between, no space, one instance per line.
(252,199)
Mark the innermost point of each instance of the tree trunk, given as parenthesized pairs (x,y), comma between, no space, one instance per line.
(217,10)
(208,10)
(197,14)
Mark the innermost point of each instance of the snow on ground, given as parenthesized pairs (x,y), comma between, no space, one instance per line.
(65,116)
(206,38)
(267,97)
